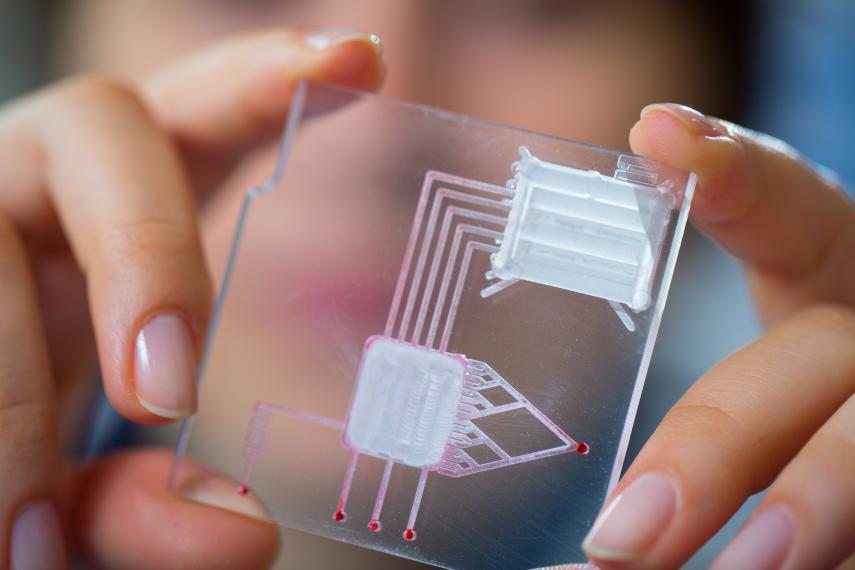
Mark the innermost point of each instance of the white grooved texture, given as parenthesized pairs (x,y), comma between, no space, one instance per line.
(583,231)
(405,402)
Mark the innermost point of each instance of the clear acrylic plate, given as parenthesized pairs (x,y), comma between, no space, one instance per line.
(432,332)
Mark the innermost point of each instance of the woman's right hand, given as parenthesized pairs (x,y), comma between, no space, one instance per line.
(99,180)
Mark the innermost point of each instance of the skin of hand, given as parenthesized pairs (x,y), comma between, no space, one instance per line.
(98,185)
(780,412)
(102,173)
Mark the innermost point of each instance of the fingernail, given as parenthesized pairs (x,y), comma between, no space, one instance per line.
(323,39)
(634,520)
(696,122)
(224,494)
(165,367)
(36,541)
(763,544)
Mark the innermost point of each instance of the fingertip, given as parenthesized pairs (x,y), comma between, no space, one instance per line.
(165,367)
(764,542)
(356,61)
(685,139)
(629,527)
(676,135)
(264,70)
(656,133)
(149,363)
(693,121)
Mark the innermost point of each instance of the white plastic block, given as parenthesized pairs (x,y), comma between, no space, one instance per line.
(585,232)
(405,403)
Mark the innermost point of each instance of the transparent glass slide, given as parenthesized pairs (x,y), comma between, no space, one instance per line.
(432,332)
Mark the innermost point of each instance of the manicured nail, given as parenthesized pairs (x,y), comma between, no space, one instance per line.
(323,39)
(225,494)
(36,541)
(764,542)
(696,122)
(635,519)
(165,367)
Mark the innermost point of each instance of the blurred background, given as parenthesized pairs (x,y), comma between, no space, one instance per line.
(564,67)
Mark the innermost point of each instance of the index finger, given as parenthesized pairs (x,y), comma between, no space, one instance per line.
(214,105)
(219,102)
(760,200)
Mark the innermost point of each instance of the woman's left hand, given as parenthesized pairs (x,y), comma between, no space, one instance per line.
(779,412)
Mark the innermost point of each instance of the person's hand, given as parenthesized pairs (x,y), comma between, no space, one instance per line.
(98,187)
(779,412)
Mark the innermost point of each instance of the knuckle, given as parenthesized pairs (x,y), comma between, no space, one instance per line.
(726,435)
(29,434)
(28,420)
(99,90)
(8,233)
(830,319)
(705,421)
(10,242)
(145,238)
(840,447)
(30,441)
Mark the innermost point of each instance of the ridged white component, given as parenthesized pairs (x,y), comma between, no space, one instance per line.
(405,402)
(583,231)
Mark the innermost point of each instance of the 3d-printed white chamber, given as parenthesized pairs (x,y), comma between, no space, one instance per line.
(583,231)
(405,402)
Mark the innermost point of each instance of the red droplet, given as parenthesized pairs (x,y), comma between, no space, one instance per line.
(582,448)
(339,516)
(243,490)
(409,535)
(374,526)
